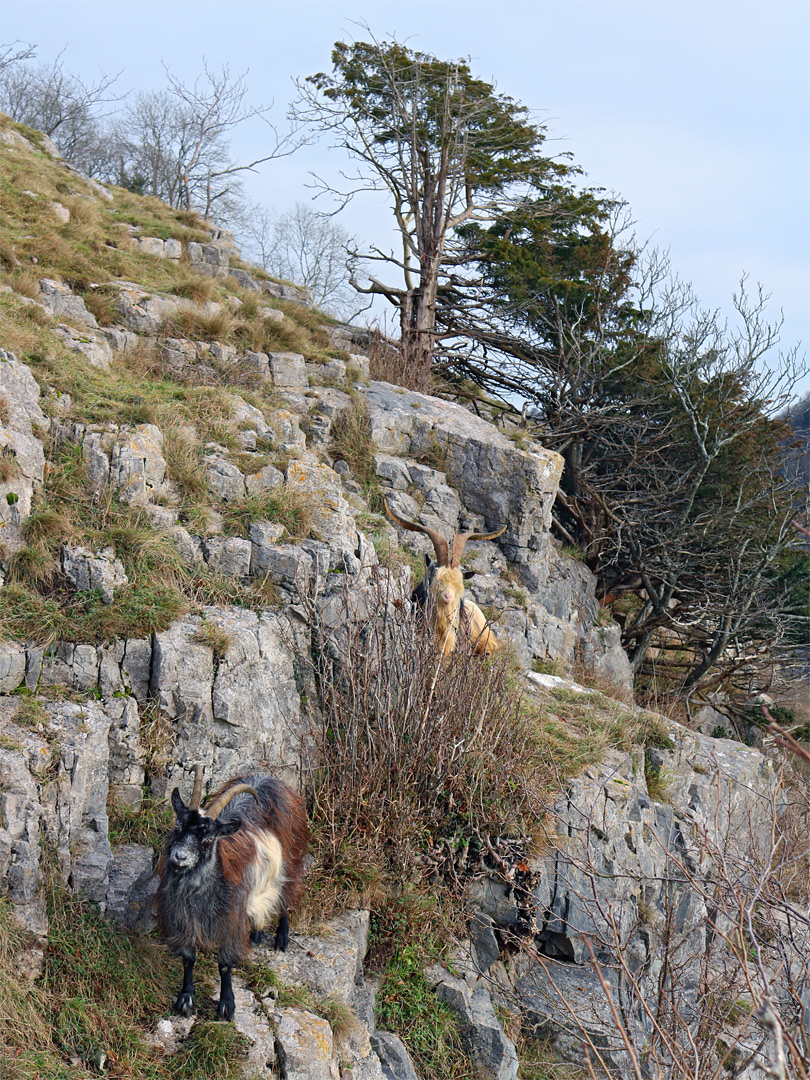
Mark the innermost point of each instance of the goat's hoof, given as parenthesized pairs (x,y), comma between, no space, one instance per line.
(258,937)
(184,1004)
(226,1008)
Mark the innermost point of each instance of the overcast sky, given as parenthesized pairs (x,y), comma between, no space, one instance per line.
(697,112)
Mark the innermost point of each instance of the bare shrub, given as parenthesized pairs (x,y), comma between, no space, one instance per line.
(418,757)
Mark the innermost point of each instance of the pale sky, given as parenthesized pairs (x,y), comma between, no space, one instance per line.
(697,112)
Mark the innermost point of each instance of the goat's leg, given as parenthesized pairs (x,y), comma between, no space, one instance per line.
(283,932)
(185,999)
(227,1006)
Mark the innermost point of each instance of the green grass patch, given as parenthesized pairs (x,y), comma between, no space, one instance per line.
(407,1005)
(99,990)
(351,441)
(149,824)
(213,1051)
(288,507)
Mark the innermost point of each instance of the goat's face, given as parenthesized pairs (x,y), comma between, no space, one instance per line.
(446,585)
(193,841)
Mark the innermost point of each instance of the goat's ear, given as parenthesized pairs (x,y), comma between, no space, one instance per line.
(467,574)
(178,805)
(428,560)
(227,828)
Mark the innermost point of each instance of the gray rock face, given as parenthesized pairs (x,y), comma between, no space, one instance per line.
(93,347)
(94,570)
(145,312)
(287,370)
(12,666)
(305,1044)
(229,556)
(492,476)
(246,415)
(330,964)
(224,478)
(132,886)
(482,1035)
(61,301)
(619,861)
(268,478)
(137,465)
(333,519)
(286,431)
(211,258)
(20,448)
(120,341)
(150,245)
(287,565)
(177,352)
(64,807)
(550,614)
(234,712)
(394,1058)
(126,773)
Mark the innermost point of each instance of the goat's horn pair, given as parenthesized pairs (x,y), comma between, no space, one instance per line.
(440,545)
(216,807)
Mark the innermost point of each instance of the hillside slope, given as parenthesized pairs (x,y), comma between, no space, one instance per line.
(194,464)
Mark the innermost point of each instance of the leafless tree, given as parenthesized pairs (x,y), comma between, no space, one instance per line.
(211,108)
(15,52)
(54,100)
(308,248)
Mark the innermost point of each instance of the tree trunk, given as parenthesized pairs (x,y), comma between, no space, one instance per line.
(417,316)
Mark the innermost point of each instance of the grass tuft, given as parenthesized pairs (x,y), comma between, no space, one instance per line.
(214,637)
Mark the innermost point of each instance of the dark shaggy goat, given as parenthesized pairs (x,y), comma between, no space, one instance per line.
(226,871)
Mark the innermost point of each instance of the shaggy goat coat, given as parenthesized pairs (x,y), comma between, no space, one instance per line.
(254,874)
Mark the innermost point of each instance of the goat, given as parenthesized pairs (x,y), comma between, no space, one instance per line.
(226,871)
(441,591)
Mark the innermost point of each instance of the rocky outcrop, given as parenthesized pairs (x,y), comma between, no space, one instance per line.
(232,709)
(88,570)
(22,456)
(627,849)
(60,300)
(53,796)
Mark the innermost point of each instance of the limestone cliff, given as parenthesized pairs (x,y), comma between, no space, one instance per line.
(173,484)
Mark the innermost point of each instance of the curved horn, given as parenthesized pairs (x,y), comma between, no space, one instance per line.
(196,794)
(440,545)
(460,542)
(218,805)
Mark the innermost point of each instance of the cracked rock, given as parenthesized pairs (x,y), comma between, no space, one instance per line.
(89,570)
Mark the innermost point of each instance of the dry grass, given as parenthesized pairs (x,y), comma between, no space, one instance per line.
(214,637)
(285,505)
(387,364)
(352,441)
(423,763)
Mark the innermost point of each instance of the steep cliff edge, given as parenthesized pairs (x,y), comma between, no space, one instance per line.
(192,474)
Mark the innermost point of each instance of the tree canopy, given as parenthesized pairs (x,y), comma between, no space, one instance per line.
(444,145)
